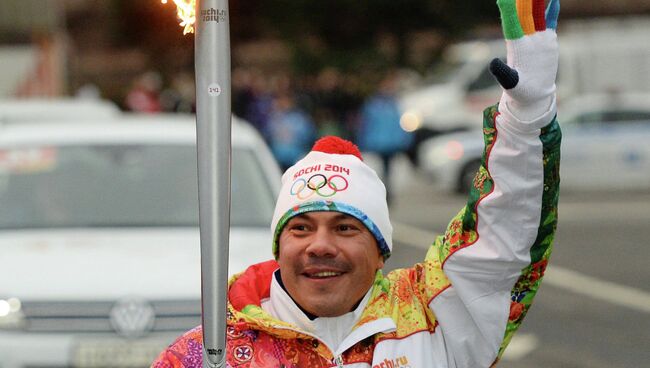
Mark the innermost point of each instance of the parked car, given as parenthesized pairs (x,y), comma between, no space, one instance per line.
(604,146)
(99,239)
(461,84)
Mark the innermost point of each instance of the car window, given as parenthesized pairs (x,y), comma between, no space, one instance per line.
(613,116)
(120,186)
(483,81)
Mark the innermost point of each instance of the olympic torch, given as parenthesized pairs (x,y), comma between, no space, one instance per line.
(213,129)
(210,19)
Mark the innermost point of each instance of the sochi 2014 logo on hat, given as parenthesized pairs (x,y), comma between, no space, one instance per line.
(319,183)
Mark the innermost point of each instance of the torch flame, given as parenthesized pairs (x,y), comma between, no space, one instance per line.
(185,12)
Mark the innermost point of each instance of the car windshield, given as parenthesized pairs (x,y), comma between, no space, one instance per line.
(613,116)
(120,186)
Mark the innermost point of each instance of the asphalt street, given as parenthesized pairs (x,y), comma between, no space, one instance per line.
(593,309)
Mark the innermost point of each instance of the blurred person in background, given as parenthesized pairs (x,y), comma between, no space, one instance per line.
(242,91)
(260,105)
(180,96)
(326,122)
(144,95)
(330,102)
(290,130)
(324,301)
(380,131)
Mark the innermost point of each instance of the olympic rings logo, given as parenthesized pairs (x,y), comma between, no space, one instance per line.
(318,184)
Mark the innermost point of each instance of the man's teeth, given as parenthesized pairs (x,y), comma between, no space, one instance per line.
(325,274)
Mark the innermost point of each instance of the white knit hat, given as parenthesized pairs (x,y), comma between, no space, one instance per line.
(333,177)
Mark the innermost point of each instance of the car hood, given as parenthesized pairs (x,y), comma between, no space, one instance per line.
(112,263)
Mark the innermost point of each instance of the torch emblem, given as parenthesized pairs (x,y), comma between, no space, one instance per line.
(213,15)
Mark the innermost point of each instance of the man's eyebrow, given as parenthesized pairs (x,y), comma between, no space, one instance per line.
(338,216)
(302,216)
(343,216)
(310,216)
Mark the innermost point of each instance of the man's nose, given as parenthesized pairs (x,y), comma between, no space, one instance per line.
(323,244)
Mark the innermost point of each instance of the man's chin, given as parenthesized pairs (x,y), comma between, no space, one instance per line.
(326,308)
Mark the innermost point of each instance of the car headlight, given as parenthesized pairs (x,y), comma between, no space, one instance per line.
(454,150)
(411,120)
(11,314)
(442,154)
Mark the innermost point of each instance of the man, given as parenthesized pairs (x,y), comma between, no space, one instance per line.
(325,302)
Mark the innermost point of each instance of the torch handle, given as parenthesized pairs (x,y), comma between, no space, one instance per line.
(213,131)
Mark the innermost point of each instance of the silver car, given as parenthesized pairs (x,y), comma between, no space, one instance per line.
(99,240)
(604,147)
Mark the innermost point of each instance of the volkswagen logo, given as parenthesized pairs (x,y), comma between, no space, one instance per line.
(132,317)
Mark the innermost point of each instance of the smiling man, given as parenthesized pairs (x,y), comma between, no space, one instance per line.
(328,262)
(324,301)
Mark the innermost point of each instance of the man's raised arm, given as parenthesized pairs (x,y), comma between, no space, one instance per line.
(495,250)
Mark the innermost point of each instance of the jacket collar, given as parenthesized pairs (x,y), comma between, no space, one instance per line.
(248,289)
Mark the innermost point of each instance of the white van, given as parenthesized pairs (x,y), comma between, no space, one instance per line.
(595,56)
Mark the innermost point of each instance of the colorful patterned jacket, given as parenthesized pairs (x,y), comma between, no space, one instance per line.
(458,308)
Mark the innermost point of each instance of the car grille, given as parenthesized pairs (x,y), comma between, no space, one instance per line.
(94,317)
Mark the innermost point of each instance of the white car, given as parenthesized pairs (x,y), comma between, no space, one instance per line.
(604,147)
(99,239)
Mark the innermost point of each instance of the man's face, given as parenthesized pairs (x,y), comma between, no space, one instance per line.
(328,261)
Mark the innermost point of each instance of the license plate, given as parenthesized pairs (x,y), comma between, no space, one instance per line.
(119,353)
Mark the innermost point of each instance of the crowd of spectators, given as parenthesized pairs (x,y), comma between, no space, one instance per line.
(290,112)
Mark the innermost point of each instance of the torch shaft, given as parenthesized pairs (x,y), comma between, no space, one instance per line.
(213,131)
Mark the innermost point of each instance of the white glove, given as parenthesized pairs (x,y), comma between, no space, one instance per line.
(529,76)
